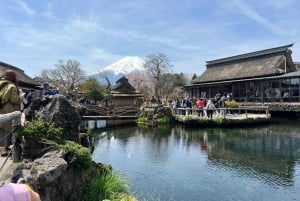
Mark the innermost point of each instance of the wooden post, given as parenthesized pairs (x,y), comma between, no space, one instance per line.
(15,117)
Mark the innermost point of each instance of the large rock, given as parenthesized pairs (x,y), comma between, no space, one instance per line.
(59,110)
(51,176)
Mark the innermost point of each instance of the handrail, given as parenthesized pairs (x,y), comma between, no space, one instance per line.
(15,117)
(224,110)
(10,117)
(115,111)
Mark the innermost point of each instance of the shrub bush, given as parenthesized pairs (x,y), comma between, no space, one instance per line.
(231,104)
(41,130)
(77,155)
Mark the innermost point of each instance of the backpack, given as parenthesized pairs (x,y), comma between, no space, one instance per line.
(1,87)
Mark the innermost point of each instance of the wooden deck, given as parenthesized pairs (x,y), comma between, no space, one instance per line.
(224,117)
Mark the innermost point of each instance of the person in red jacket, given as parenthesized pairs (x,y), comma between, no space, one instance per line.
(200,106)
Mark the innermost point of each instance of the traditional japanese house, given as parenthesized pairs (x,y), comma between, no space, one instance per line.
(124,94)
(26,83)
(263,76)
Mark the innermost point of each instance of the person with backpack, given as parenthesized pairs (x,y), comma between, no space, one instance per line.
(9,102)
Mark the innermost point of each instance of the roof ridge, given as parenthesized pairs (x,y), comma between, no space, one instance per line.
(251,54)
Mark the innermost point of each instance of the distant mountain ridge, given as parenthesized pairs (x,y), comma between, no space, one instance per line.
(115,71)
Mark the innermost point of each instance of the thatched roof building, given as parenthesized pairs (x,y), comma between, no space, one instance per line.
(123,86)
(264,63)
(124,94)
(263,76)
(25,82)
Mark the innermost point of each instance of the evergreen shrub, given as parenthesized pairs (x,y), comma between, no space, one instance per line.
(77,155)
(41,130)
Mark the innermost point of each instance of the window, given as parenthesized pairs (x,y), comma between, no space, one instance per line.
(285,90)
(294,90)
(254,91)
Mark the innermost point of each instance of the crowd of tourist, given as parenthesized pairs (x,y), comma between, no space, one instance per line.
(201,106)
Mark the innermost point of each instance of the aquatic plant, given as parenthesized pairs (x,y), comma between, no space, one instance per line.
(164,120)
(218,119)
(110,187)
(141,120)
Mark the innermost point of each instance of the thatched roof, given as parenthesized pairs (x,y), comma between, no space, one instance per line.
(264,63)
(123,87)
(24,80)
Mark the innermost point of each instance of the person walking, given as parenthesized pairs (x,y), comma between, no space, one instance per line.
(9,102)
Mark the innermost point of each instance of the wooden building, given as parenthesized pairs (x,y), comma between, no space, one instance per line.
(26,83)
(124,94)
(263,76)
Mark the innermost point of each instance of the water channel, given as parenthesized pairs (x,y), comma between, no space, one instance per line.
(191,164)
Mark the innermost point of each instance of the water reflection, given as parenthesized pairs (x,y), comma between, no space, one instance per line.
(264,153)
(185,163)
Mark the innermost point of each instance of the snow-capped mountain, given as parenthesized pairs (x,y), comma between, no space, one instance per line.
(124,66)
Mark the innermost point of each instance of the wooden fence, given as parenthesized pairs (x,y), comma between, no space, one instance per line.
(226,111)
(15,117)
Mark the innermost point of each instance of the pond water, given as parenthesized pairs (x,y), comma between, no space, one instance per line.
(190,164)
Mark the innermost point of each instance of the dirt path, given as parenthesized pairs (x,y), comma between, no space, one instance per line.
(7,170)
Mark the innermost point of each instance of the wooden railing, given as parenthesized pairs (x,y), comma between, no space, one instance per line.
(225,111)
(15,117)
(114,112)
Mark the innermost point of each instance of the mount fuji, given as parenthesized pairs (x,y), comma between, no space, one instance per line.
(115,71)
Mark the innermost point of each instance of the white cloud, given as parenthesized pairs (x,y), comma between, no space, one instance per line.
(282,5)
(247,10)
(102,55)
(25,8)
(48,13)
(98,34)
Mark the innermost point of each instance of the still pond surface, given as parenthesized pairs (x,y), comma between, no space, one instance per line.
(190,164)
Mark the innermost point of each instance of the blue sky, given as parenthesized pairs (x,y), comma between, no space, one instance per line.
(36,34)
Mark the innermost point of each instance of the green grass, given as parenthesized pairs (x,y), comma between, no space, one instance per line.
(108,187)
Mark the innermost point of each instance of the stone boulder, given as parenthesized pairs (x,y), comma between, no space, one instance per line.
(53,178)
(57,109)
